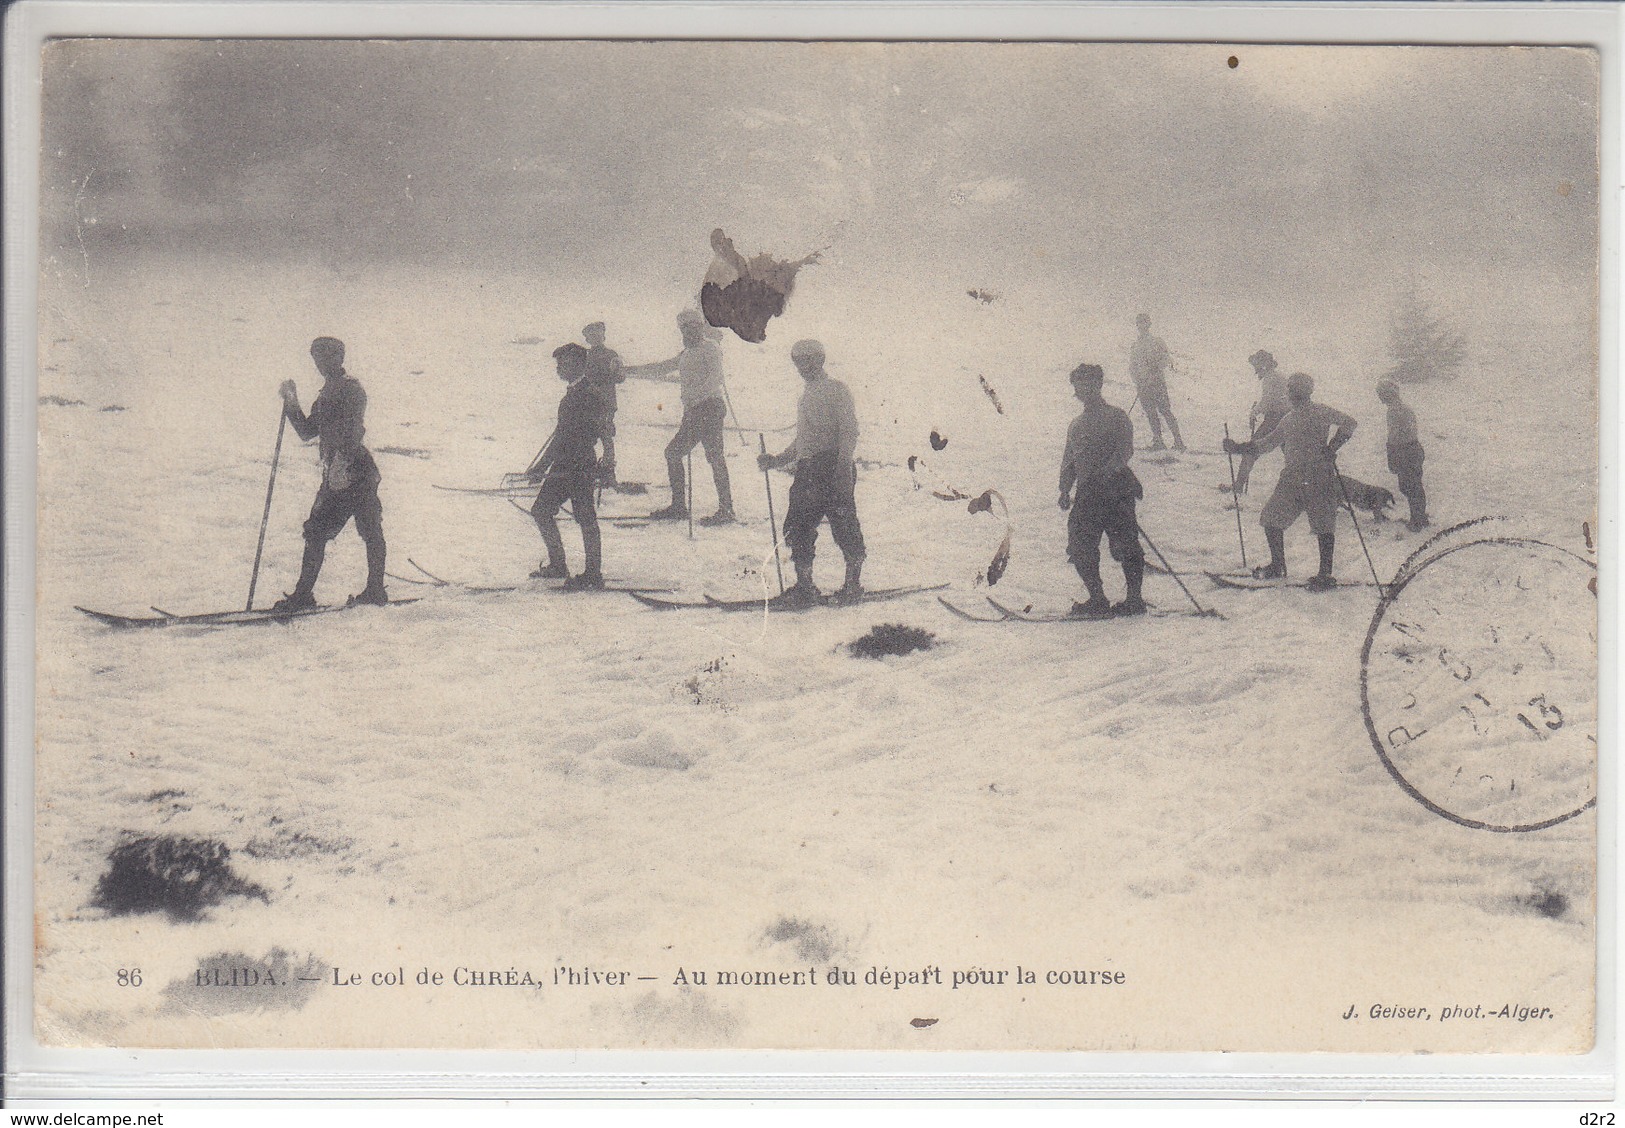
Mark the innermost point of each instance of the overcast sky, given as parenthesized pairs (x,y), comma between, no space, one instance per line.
(1297,167)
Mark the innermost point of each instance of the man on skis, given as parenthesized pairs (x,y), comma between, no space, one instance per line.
(697,369)
(603,374)
(1308,481)
(568,471)
(826,475)
(349,475)
(1405,452)
(1268,410)
(1099,444)
(1147,367)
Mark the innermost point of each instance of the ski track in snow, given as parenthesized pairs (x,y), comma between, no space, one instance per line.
(527,779)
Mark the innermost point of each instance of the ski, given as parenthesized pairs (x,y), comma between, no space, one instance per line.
(1241,582)
(1027,615)
(484,589)
(773,603)
(223,618)
(966,615)
(777,603)
(491,491)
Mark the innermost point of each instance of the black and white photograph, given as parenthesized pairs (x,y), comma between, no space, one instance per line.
(707,544)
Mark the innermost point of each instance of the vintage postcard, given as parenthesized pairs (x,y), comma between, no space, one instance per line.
(882,546)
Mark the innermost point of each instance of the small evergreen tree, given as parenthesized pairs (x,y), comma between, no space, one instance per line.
(1422,344)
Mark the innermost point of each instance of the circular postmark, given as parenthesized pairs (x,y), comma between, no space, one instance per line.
(1478,682)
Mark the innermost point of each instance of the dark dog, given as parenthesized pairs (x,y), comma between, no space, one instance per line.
(1374,498)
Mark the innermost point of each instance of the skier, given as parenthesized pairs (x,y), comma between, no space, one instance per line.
(603,373)
(568,472)
(1405,452)
(1272,404)
(698,371)
(1147,361)
(825,476)
(349,475)
(1099,444)
(1308,480)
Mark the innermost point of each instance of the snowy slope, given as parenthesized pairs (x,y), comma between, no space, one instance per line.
(529,781)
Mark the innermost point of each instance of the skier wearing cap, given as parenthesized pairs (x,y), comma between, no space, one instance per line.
(568,472)
(825,475)
(1147,363)
(1405,452)
(1269,409)
(697,369)
(1308,481)
(603,374)
(1099,444)
(349,475)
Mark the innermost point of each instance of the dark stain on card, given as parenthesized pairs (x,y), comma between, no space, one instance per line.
(922,1023)
(938,442)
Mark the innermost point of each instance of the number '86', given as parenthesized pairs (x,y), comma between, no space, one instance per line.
(129,977)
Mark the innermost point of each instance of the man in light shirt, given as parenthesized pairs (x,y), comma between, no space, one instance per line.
(1147,364)
(822,455)
(1268,410)
(697,370)
(1308,480)
(1405,452)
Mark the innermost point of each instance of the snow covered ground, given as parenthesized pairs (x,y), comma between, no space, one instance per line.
(534,782)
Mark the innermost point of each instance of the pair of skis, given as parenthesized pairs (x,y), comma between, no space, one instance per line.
(1009,613)
(780,603)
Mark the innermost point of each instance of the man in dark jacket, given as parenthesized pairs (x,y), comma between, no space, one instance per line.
(569,472)
(1099,444)
(349,475)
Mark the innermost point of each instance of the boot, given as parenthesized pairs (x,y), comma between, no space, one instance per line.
(1134,577)
(672,512)
(852,589)
(1419,520)
(295,600)
(371,594)
(803,592)
(551,570)
(1276,568)
(586,581)
(720,517)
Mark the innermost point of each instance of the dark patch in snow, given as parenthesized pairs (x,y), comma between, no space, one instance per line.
(986,297)
(813,942)
(115,407)
(404,452)
(180,877)
(891,638)
(922,1023)
(166,793)
(937,442)
(1547,902)
(60,401)
(295,844)
(526,341)
(232,982)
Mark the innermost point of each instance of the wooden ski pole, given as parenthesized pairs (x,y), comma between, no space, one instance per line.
(1382,589)
(734,416)
(772,521)
(265,518)
(1230,458)
(1200,610)
(689,500)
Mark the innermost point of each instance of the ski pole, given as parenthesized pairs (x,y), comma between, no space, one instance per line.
(1200,610)
(1230,458)
(265,518)
(772,521)
(734,416)
(541,455)
(1341,485)
(689,500)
